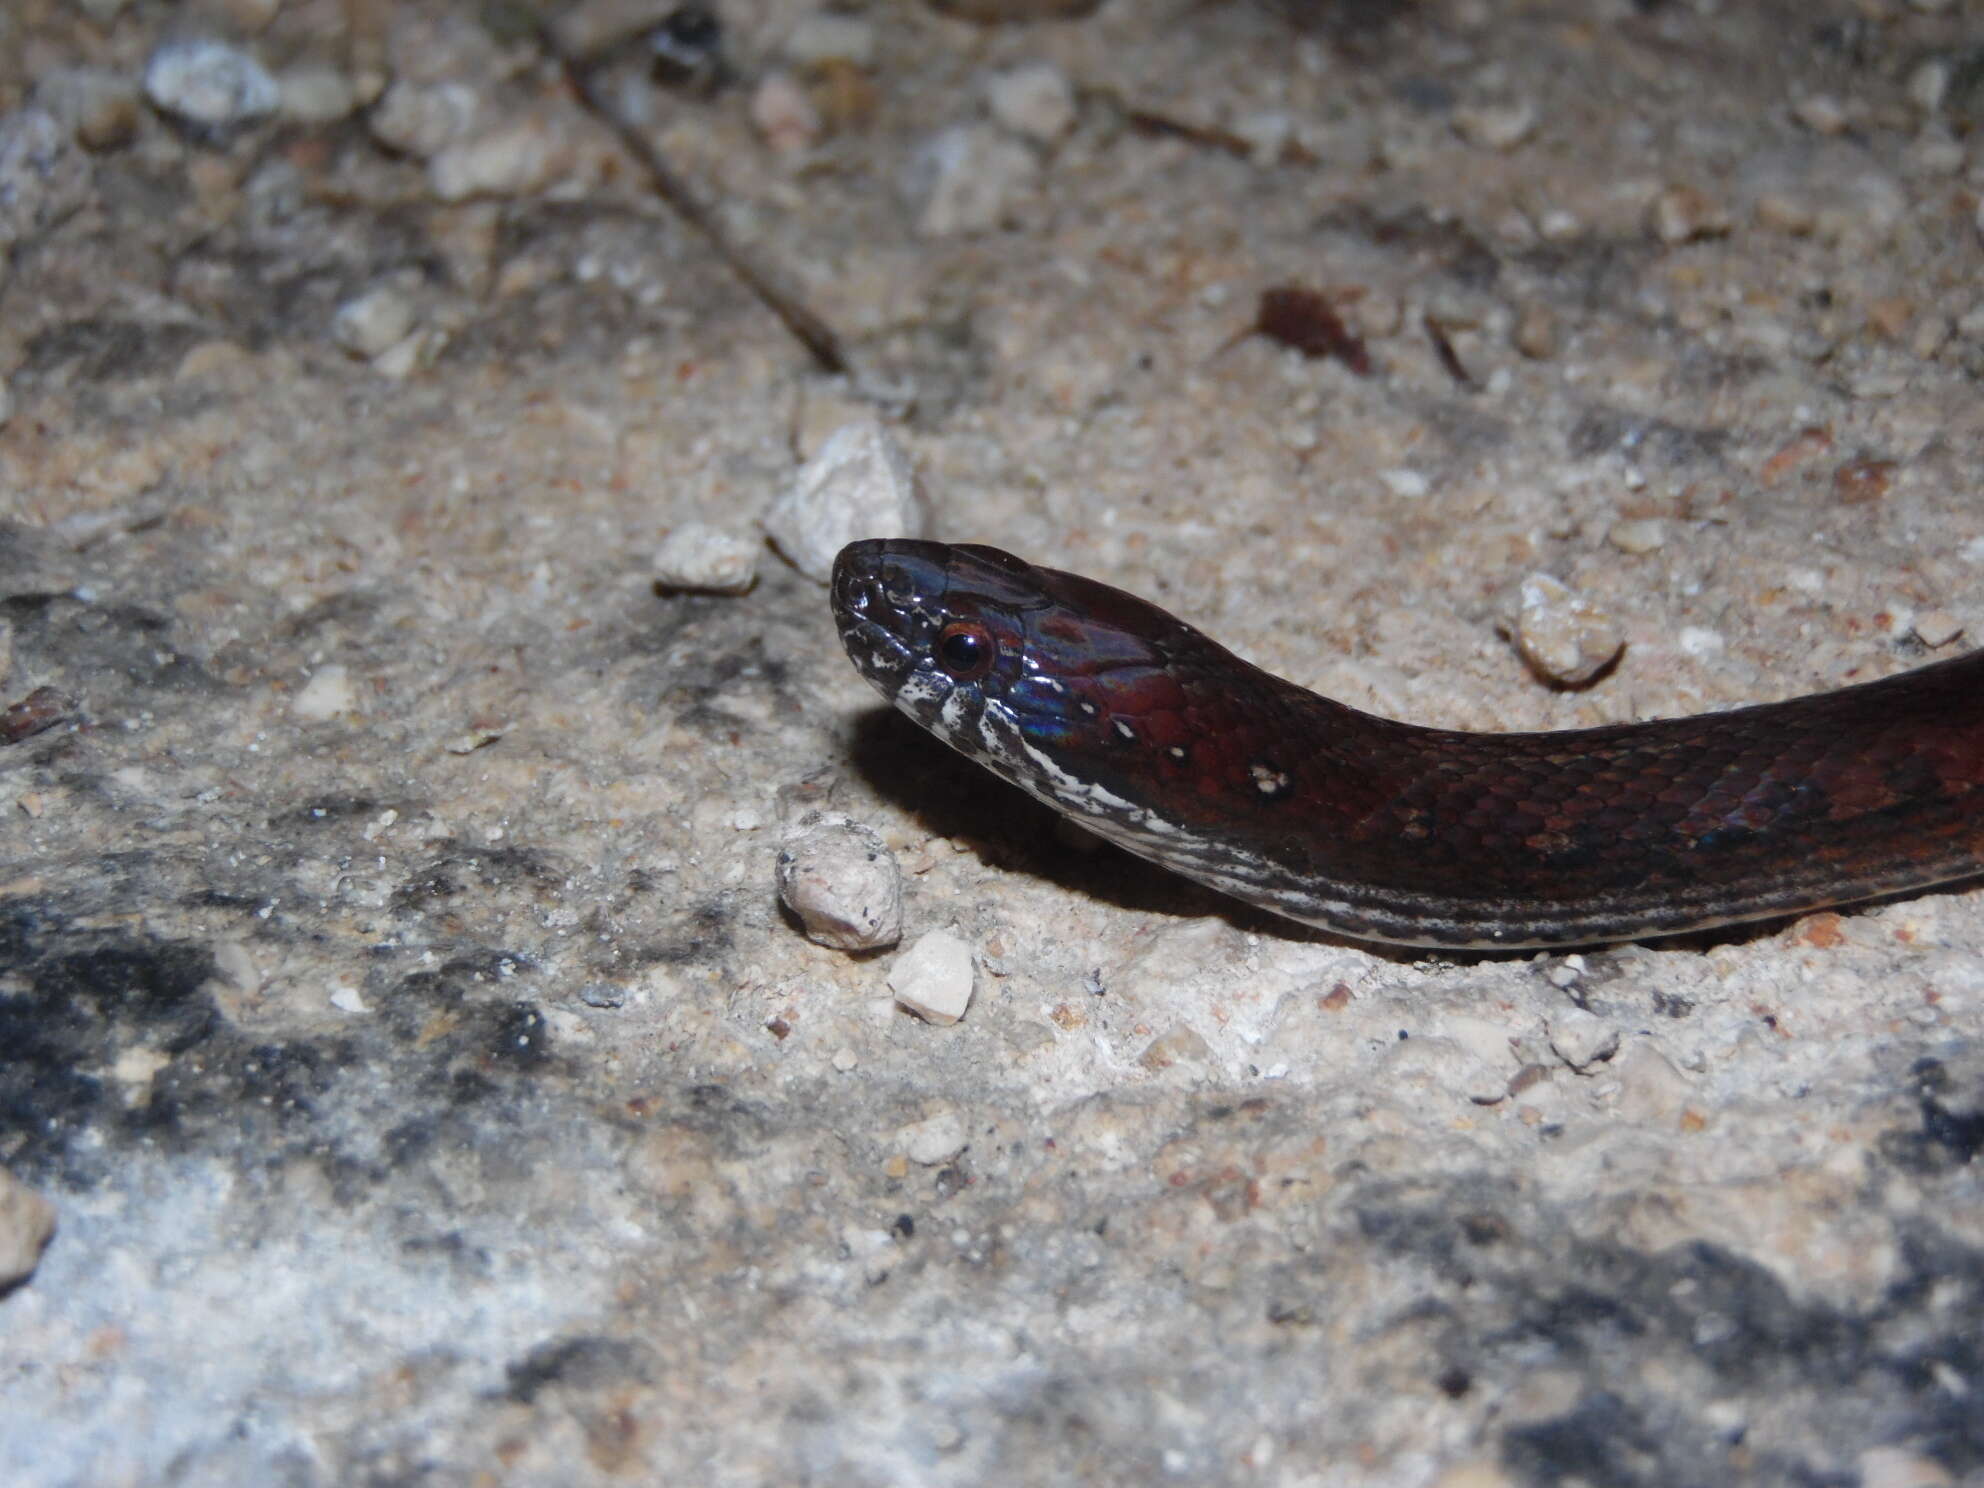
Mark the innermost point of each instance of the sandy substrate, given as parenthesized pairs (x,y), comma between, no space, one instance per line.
(395,1004)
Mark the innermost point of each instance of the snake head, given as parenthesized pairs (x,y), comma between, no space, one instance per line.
(935,629)
(1062,685)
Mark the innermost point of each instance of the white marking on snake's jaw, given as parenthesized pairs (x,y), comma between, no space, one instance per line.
(1102,810)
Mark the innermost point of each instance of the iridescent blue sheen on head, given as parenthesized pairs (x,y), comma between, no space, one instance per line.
(1078,707)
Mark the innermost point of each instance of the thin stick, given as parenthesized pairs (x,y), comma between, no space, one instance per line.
(813,332)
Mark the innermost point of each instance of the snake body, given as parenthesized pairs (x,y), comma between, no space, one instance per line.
(1153,736)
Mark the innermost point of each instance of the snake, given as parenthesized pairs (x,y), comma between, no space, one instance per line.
(1155,737)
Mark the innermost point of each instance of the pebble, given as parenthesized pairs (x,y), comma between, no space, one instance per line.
(1535,333)
(422,119)
(1937,628)
(1565,638)
(1651,1091)
(1408,485)
(515,159)
(1929,84)
(1637,535)
(934,977)
(328,694)
(1180,1046)
(409,354)
(44,175)
(99,108)
(1559,225)
(27,1220)
(841,880)
(1582,1039)
(1681,214)
(370,323)
(935,1139)
(1897,1467)
(1821,113)
(860,484)
(1034,100)
(1700,640)
(1934,152)
(784,115)
(210,84)
(961,180)
(1496,126)
(708,560)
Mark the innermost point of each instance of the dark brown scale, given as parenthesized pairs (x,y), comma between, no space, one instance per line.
(1429,836)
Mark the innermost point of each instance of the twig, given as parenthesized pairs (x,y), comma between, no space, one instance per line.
(813,332)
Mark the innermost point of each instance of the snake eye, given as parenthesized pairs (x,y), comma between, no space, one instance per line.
(965,649)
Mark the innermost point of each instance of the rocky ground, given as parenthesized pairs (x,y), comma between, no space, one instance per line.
(398,1022)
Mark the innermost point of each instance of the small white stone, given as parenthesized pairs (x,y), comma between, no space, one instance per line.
(1558,225)
(860,484)
(784,115)
(1582,1039)
(1897,1467)
(846,1061)
(1929,84)
(1934,152)
(1699,640)
(934,977)
(137,1066)
(1680,214)
(708,560)
(27,1220)
(409,354)
(1035,100)
(369,323)
(1937,628)
(1821,113)
(210,84)
(1563,636)
(513,160)
(961,180)
(328,694)
(1496,126)
(348,999)
(933,1140)
(1637,535)
(842,881)
(1408,485)
(422,120)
